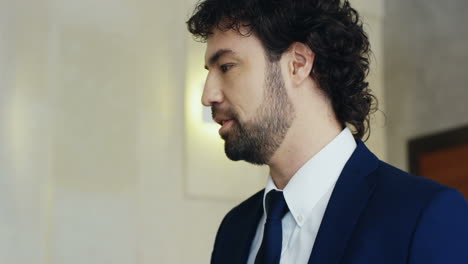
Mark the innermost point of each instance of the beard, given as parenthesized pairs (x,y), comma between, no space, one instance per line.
(256,140)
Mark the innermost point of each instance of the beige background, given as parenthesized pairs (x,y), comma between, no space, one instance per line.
(99,155)
(426,62)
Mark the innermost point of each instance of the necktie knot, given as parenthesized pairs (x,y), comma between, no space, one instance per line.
(276,206)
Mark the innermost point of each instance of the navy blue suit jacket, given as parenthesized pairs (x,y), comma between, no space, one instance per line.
(376,214)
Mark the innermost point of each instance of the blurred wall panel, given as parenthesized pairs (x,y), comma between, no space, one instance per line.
(372,14)
(24,134)
(92,75)
(426,70)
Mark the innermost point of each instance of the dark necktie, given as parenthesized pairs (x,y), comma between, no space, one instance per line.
(276,208)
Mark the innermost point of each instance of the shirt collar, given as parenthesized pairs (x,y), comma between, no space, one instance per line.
(315,177)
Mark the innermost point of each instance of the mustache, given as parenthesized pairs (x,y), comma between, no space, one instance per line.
(229,113)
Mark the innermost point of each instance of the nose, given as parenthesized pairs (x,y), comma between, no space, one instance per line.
(211,92)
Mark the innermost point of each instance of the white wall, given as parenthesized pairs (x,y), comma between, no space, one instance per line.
(426,70)
(24,134)
(92,133)
(372,12)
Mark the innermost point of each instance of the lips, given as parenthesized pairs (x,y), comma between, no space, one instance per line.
(222,120)
(225,124)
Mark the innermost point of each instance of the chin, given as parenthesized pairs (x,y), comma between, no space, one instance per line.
(249,156)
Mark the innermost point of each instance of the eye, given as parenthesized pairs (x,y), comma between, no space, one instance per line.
(226,67)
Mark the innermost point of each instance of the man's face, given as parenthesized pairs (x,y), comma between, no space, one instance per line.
(247,95)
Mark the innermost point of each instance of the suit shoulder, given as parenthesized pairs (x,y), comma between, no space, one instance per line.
(393,176)
(407,188)
(236,224)
(247,206)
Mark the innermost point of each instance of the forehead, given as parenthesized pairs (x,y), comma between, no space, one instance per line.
(242,46)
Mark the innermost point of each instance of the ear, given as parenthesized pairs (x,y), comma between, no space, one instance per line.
(301,62)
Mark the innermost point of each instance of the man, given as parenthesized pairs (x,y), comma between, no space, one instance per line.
(285,81)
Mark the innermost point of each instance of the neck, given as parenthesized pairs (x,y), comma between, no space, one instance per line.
(290,157)
(305,138)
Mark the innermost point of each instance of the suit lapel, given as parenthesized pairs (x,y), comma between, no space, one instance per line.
(349,198)
(248,225)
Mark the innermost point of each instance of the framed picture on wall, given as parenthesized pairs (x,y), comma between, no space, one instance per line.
(442,157)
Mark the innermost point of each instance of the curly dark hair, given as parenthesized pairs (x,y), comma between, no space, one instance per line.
(331,28)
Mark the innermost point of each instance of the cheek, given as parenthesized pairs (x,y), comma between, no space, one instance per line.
(246,95)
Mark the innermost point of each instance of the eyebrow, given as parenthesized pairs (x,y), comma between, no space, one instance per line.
(217,55)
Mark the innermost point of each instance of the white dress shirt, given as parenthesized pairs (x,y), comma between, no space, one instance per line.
(307,195)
